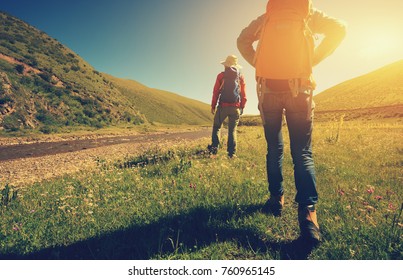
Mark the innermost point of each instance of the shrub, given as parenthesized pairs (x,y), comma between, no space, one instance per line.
(11,123)
(6,36)
(25,80)
(30,59)
(20,68)
(75,68)
(59,92)
(45,117)
(10,47)
(21,38)
(137,120)
(41,83)
(46,129)
(8,195)
(46,76)
(89,112)
(96,124)
(5,99)
(81,118)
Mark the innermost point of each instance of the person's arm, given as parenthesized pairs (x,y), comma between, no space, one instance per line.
(216,92)
(247,37)
(333,31)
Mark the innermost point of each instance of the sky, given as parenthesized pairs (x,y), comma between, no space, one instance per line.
(177,45)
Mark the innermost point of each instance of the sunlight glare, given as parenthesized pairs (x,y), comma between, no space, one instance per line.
(380,44)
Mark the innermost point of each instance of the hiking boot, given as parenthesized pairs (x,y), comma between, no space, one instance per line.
(212,150)
(233,156)
(274,205)
(308,224)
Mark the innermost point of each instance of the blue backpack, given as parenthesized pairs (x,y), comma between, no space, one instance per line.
(230,91)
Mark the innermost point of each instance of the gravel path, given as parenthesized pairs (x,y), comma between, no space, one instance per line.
(24,164)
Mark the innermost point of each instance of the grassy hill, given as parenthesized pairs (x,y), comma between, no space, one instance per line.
(162,106)
(46,86)
(377,94)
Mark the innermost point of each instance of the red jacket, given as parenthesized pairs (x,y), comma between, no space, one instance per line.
(217,89)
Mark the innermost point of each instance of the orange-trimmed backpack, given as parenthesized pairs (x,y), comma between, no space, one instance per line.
(285,49)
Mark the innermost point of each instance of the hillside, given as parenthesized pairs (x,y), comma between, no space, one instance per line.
(162,106)
(46,86)
(380,88)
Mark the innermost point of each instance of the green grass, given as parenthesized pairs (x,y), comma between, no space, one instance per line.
(179,203)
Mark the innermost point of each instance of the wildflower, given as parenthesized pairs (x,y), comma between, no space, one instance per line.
(32,211)
(192,186)
(341,192)
(16,228)
(391,206)
(378,197)
(371,190)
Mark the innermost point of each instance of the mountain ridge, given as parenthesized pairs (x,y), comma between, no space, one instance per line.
(380,88)
(170,106)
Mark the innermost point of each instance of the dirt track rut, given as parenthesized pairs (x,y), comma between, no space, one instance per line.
(24,164)
(12,152)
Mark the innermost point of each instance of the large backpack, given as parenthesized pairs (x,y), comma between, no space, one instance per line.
(286,46)
(230,88)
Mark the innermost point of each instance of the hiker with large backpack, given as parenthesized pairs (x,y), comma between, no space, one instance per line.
(283,60)
(229,99)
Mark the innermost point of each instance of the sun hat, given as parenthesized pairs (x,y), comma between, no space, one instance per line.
(231,61)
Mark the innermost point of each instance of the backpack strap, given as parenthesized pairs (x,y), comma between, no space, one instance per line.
(222,84)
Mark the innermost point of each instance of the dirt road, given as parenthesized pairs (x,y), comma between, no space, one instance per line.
(24,164)
(12,152)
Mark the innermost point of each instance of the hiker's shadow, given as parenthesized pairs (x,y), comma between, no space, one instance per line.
(194,229)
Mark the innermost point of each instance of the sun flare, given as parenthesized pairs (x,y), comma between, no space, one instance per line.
(380,45)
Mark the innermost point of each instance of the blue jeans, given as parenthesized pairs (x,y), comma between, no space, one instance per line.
(233,114)
(299,115)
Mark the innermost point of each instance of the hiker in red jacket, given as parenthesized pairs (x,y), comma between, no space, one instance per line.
(283,61)
(228,101)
